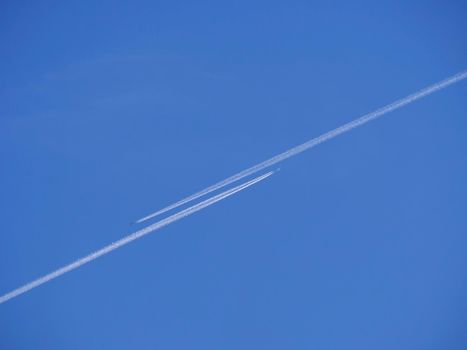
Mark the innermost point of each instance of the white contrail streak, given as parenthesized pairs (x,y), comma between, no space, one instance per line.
(316,141)
(131,237)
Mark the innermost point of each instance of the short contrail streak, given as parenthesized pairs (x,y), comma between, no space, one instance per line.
(130,238)
(316,141)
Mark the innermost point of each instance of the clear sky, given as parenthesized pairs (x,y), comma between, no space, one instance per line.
(111,110)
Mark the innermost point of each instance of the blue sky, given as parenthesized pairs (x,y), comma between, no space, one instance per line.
(111,110)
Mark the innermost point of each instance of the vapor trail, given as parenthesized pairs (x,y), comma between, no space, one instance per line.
(130,238)
(316,141)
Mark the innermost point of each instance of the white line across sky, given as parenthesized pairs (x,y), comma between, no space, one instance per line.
(130,238)
(316,141)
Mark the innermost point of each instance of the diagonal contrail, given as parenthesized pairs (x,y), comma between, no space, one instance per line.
(316,141)
(131,237)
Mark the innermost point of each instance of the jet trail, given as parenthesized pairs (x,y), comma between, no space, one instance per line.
(131,237)
(316,141)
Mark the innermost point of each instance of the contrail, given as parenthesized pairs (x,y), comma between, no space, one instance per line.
(316,141)
(131,237)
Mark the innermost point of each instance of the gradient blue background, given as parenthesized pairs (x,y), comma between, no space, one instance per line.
(111,110)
